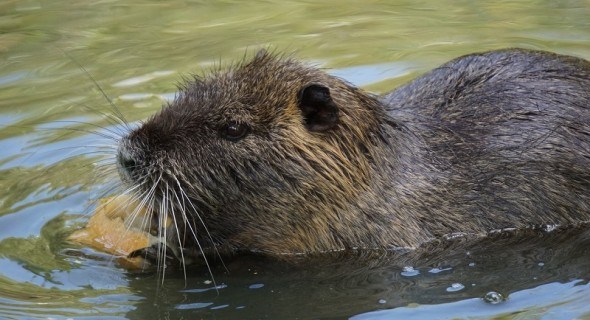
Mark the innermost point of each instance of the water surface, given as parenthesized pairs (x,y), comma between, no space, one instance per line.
(52,166)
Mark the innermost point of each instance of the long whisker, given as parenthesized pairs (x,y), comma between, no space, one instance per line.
(118,113)
(107,129)
(163,232)
(112,120)
(194,234)
(93,132)
(141,199)
(173,215)
(185,196)
(148,201)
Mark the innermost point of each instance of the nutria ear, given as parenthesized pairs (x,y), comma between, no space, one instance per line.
(320,113)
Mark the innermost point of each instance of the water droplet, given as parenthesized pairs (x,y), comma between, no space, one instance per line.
(223,306)
(190,306)
(540,264)
(550,227)
(472,264)
(455,287)
(410,272)
(438,270)
(493,297)
(382,301)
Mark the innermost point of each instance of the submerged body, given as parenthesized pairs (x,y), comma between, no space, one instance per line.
(276,157)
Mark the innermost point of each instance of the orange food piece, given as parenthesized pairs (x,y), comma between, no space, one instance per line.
(119,227)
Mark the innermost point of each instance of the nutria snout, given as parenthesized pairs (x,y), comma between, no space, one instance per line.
(277,157)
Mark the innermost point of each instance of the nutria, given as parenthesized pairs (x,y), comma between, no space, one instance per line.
(276,157)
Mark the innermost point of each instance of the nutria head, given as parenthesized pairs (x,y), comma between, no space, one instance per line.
(267,156)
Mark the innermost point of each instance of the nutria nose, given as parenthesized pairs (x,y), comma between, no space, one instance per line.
(126,161)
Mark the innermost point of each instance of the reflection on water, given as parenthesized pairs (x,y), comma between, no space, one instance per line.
(565,300)
(52,165)
(537,272)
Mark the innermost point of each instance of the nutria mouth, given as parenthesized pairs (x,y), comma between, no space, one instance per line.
(277,157)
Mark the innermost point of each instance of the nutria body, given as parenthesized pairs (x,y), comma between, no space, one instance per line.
(276,157)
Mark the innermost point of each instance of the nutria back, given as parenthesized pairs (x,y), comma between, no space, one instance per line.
(508,134)
(278,157)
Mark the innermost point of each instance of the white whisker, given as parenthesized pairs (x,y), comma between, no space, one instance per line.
(173,215)
(194,234)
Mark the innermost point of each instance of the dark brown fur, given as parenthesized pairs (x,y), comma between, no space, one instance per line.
(486,141)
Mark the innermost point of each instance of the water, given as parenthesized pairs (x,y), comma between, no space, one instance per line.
(138,50)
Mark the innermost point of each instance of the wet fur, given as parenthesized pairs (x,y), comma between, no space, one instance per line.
(486,141)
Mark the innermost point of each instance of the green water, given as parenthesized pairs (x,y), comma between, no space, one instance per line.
(52,167)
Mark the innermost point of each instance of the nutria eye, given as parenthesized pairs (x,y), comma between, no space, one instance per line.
(235,131)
